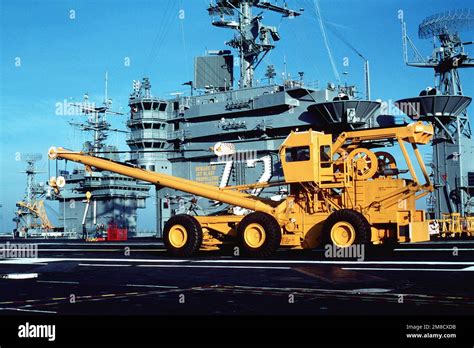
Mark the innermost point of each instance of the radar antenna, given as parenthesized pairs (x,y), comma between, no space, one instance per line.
(448,53)
(453,21)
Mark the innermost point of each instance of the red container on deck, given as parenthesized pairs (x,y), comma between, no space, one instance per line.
(116,234)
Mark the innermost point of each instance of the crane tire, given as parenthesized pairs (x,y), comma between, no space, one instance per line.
(259,235)
(346,227)
(182,235)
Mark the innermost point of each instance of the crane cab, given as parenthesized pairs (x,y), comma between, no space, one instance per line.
(306,156)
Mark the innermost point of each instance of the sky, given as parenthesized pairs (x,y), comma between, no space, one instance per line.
(54,51)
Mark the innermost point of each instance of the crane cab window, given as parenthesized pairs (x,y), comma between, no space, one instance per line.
(297,154)
(325,156)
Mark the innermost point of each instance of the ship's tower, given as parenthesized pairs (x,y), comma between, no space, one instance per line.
(445,106)
(31,187)
(253,39)
(148,133)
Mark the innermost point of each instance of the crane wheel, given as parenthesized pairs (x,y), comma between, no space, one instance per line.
(364,163)
(259,235)
(182,235)
(346,227)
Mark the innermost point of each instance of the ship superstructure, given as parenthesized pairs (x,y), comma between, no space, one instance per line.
(114,199)
(148,136)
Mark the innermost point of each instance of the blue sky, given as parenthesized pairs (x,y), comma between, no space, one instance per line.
(63,57)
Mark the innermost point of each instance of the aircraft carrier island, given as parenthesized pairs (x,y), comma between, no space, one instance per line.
(266,193)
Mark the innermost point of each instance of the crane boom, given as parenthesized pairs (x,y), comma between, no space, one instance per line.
(207,191)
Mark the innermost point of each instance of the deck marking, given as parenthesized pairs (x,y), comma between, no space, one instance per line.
(437,249)
(56,282)
(65,259)
(232,261)
(471,268)
(103,265)
(99,250)
(152,286)
(222,267)
(28,310)
(19,276)
(325,262)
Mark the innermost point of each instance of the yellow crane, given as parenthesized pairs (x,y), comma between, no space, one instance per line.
(340,192)
(31,216)
(38,211)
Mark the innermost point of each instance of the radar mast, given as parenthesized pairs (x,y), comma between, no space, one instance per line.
(253,39)
(446,107)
